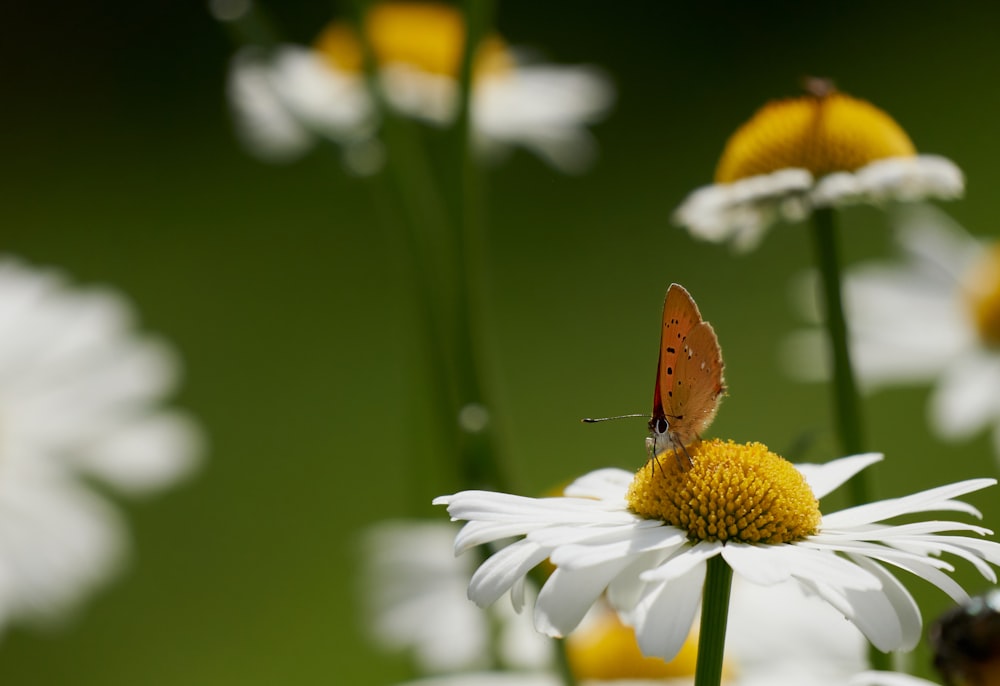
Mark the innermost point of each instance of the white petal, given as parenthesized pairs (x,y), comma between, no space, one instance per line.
(775,629)
(663,616)
(871,611)
(626,588)
(147,454)
(904,606)
(740,212)
(925,501)
(266,125)
(545,109)
(874,678)
(825,478)
(502,569)
(641,541)
(907,179)
(933,238)
(420,94)
(773,564)
(488,679)
(682,562)
(604,484)
(966,398)
(568,594)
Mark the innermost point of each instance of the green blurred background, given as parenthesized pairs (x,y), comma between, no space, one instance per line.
(295,324)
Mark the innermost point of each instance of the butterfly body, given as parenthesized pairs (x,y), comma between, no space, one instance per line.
(689,383)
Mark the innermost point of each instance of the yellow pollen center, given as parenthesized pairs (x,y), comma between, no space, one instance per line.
(428,36)
(823,134)
(982,291)
(729,492)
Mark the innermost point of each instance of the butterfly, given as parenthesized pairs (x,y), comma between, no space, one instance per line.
(689,384)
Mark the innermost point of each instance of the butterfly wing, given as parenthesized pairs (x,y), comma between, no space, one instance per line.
(698,385)
(680,316)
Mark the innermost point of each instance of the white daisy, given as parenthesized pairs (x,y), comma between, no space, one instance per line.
(286,100)
(825,149)
(644,539)
(415,591)
(80,396)
(946,277)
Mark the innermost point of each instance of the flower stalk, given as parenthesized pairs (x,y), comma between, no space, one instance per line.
(714,617)
(480,463)
(846,398)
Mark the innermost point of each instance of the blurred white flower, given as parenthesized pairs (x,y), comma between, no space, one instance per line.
(286,100)
(873,678)
(414,587)
(825,149)
(80,395)
(776,637)
(932,316)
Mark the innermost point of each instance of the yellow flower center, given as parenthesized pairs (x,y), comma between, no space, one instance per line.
(821,133)
(982,290)
(729,492)
(606,650)
(428,36)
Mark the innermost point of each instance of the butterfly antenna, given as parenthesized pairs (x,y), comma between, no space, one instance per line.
(595,420)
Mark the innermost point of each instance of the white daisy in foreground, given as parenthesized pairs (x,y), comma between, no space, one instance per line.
(415,591)
(825,149)
(286,100)
(946,277)
(645,539)
(80,395)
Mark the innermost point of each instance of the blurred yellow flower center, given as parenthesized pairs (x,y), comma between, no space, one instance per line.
(823,134)
(982,290)
(729,492)
(606,650)
(428,36)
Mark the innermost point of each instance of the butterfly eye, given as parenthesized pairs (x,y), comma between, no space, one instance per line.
(661,425)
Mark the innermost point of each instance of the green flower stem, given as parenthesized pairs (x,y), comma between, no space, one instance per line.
(562,662)
(480,454)
(845,389)
(406,193)
(714,617)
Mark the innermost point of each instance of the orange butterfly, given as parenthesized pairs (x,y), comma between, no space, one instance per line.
(689,384)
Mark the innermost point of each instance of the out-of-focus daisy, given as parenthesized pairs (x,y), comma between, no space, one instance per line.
(824,149)
(776,637)
(946,277)
(285,99)
(873,678)
(414,586)
(645,540)
(80,402)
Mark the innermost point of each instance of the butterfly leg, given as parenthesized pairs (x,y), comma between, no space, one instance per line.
(680,448)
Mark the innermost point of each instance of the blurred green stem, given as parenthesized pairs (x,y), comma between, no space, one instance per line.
(714,618)
(407,182)
(480,456)
(845,389)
